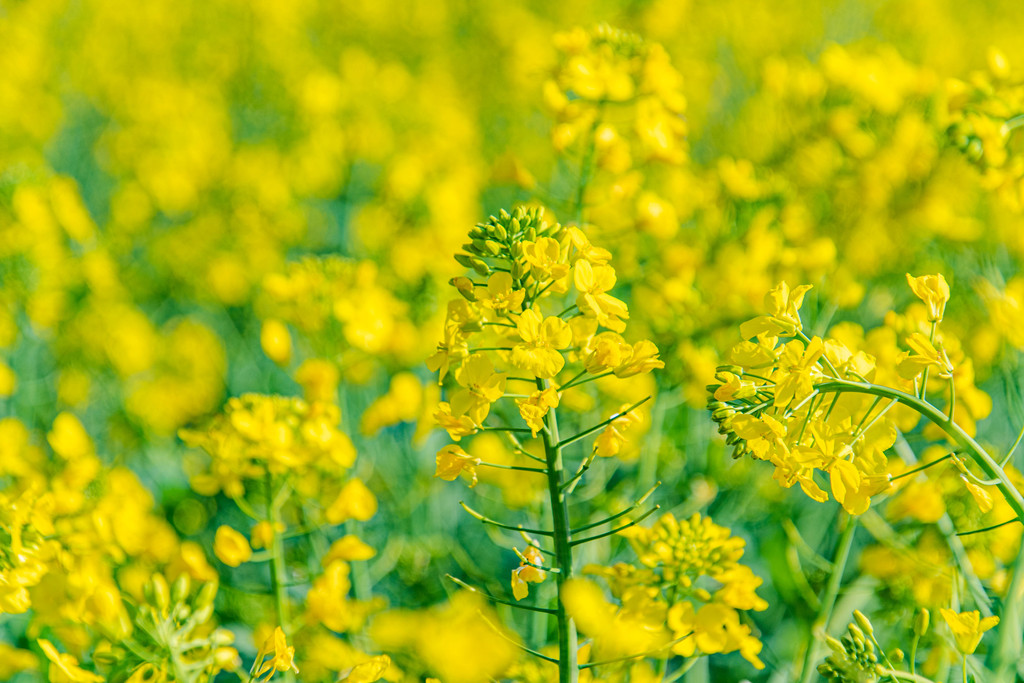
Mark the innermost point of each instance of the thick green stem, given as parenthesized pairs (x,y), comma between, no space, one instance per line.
(1006,653)
(828,601)
(568,667)
(969,446)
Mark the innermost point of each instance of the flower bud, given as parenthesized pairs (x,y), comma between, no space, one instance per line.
(179,591)
(158,592)
(921,620)
(863,622)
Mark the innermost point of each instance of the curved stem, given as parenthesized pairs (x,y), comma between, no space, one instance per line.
(968,445)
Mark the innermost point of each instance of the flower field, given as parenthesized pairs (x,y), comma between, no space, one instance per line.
(631,341)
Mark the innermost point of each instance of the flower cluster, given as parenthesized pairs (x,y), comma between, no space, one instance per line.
(526,265)
(984,111)
(685,597)
(607,79)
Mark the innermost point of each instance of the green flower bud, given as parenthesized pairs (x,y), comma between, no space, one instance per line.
(921,620)
(863,622)
(179,591)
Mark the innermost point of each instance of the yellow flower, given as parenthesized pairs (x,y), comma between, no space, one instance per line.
(231,547)
(967,627)
(355,501)
(642,358)
(607,351)
(536,406)
(499,295)
(797,370)
(262,534)
(527,572)
(369,671)
(926,355)
(453,461)
(612,438)
(482,385)
(64,668)
(783,316)
(546,259)
(458,425)
(276,341)
(348,548)
(68,438)
(933,291)
(541,339)
(593,283)
(283,657)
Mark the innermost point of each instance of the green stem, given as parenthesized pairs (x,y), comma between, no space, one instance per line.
(967,444)
(586,164)
(277,567)
(828,601)
(568,667)
(1003,657)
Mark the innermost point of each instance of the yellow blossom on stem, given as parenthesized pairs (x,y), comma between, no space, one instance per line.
(546,259)
(458,425)
(593,283)
(354,501)
(643,358)
(231,547)
(541,339)
(64,668)
(453,461)
(527,572)
(797,369)
(967,628)
(282,659)
(933,291)
(499,296)
(783,316)
(482,385)
(536,406)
